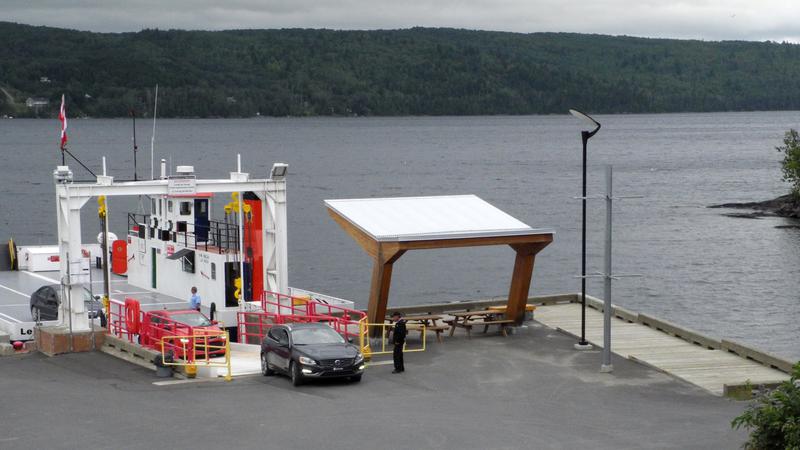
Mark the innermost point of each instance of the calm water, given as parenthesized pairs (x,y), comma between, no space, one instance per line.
(732,278)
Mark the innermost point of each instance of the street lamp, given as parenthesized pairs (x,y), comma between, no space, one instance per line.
(585,136)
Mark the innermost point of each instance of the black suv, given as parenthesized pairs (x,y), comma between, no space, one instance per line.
(309,350)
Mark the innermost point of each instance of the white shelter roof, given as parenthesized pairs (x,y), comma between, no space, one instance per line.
(427,218)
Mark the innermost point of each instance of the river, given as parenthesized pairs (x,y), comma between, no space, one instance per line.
(727,277)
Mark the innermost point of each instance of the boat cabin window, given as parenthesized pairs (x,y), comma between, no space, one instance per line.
(160,206)
(186,208)
(213,271)
(169,206)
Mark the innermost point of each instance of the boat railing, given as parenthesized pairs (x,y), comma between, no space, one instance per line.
(219,237)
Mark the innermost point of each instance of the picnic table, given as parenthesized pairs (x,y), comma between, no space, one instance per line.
(486,317)
(417,322)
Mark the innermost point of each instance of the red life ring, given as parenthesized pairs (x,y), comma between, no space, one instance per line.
(132,315)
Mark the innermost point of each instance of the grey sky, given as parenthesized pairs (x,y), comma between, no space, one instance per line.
(760,20)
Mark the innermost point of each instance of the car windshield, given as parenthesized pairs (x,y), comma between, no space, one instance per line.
(316,335)
(193,319)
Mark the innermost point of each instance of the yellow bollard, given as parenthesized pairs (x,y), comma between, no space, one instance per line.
(191,371)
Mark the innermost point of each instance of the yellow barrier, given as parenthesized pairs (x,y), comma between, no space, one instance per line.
(364,343)
(199,341)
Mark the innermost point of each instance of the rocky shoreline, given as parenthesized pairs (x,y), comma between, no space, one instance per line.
(783,206)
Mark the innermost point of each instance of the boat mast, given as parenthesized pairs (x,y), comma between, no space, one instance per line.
(153,137)
(135,147)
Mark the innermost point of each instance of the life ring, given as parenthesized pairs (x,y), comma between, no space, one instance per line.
(132,315)
(153,222)
(169,225)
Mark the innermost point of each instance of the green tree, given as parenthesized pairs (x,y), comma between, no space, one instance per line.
(774,418)
(790,166)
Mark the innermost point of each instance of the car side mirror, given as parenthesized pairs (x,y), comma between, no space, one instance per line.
(97,297)
(350,339)
(214,322)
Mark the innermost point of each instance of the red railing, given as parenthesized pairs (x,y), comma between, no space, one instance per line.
(279,308)
(184,341)
(124,318)
(254,325)
(148,328)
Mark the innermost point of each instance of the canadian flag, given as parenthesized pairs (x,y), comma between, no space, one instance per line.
(62,116)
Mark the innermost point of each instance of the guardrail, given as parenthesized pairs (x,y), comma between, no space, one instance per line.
(184,350)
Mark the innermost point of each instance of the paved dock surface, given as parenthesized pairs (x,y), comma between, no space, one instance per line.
(16,288)
(531,390)
(703,367)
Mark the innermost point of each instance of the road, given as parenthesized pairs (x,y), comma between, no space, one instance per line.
(530,390)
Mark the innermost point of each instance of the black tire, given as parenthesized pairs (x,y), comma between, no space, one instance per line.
(297,377)
(356,378)
(265,369)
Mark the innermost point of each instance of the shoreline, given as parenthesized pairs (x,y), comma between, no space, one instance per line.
(784,206)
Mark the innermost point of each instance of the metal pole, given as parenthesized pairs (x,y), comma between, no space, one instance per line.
(607,366)
(153,136)
(91,295)
(135,147)
(106,272)
(69,298)
(582,344)
(241,237)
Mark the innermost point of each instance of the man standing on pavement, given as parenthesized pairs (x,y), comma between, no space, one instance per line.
(194,302)
(399,340)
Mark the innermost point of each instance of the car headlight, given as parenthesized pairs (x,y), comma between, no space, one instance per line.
(359,358)
(307,361)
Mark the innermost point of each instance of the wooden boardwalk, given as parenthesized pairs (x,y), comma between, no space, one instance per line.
(708,369)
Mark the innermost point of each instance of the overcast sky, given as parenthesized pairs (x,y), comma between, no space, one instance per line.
(757,20)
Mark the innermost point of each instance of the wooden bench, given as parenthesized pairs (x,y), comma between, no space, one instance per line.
(438,329)
(414,323)
(469,319)
(504,323)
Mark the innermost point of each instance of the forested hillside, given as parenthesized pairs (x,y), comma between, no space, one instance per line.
(420,71)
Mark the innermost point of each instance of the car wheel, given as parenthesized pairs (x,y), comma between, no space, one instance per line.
(297,377)
(265,369)
(355,378)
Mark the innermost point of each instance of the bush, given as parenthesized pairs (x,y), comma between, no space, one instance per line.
(774,417)
(791,160)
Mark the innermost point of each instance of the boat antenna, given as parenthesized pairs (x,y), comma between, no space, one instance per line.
(135,147)
(153,137)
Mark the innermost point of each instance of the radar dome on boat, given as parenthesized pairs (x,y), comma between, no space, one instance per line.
(111,238)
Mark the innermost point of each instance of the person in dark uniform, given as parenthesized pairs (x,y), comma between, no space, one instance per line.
(399,340)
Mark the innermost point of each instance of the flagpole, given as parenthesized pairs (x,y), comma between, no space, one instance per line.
(62,117)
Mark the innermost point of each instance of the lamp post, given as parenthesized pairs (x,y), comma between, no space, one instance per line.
(585,136)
